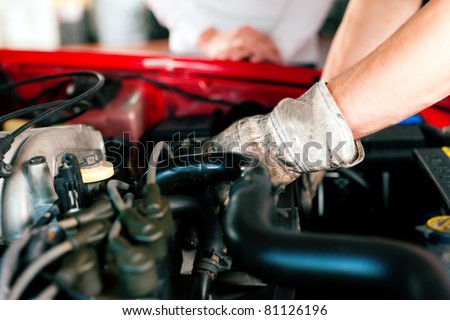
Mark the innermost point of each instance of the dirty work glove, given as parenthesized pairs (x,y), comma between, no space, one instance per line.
(300,135)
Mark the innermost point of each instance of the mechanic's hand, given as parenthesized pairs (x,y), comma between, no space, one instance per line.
(244,43)
(300,135)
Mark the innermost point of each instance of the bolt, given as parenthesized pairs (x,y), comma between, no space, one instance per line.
(5,170)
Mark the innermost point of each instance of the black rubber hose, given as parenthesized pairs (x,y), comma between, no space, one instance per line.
(359,266)
(200,168)
(200,286)
(210,243)
(197,169)
(206,223)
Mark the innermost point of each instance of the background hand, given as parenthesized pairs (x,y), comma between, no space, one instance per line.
(244,43)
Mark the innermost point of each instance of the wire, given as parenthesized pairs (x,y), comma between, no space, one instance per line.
(48,216)
(179,91)
(82,219)
(114,232)
(44,78)
(115,196)
(11,257)
(44,260)
(7,141)
(48,293)
(87,93)
(153,163)
(129,199)
(10,262)
(30,109)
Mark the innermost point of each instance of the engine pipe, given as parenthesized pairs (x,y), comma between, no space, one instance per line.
(206,223)
(200,286)
(209,259)
(352,264)
(201,168)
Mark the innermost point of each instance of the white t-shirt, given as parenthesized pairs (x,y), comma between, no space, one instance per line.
(292,24)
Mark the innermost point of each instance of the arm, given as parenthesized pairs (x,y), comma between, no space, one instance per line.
(366,24)
(406,74)
(317,131)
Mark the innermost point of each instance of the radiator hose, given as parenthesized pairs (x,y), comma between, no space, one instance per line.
(375,267)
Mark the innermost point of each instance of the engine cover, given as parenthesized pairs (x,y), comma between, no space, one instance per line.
(35,157)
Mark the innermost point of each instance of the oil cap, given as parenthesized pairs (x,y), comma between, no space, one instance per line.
(440,227)
(104,170)
(435,236)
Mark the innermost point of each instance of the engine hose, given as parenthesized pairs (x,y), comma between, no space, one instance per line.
(201,168)
(200,286)
(356,265)
(211,247)
(206,223)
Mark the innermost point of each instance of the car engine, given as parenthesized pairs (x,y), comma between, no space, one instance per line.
(107,191)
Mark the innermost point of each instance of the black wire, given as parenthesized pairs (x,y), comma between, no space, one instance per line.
(49,92)
(84,106)
(45,78)
(43,106)
(156,83)
(62,105)
(30,109)
(14,95)
(179,91)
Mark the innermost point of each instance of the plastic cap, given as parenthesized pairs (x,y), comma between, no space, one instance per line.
(99,173)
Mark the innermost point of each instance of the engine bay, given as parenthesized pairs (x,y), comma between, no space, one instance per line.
(107,191)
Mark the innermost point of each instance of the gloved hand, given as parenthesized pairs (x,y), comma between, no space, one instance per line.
(300,135)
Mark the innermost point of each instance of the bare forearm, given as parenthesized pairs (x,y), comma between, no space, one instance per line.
(366,24)
(409,72)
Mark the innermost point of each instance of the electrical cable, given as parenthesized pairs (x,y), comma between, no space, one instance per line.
(27,110)
(11,257)
(82,219)
(75,111)
(179,91)
(153,163)
(48,216)
(129,199)
(44,260)
(7,141)
(39,107)
(48,293)
(51,93)
(115,196)
(10,262)
(45,78)
(70,102)
(91,233)
(114,232)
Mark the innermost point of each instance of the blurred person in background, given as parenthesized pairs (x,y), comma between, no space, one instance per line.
(120,22)
(276,31)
